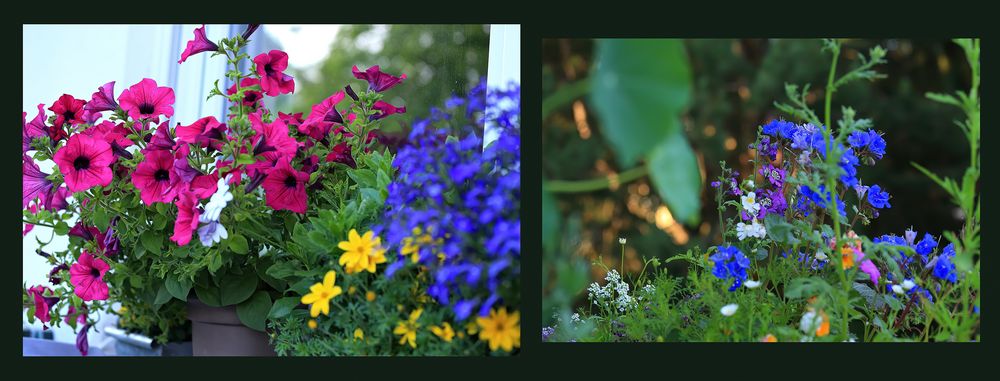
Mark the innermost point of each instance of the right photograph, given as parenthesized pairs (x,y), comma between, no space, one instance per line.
(760,190)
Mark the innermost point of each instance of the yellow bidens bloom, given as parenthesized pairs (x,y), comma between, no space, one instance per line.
(444,331)
(500,329)
(370,296)
(359,334)
(407,330)
(312,324)
(320,294)
(361,253)
(351,290)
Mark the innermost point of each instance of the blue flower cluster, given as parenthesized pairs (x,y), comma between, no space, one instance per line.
(923,248)
(817,198)
(944,268)
(808,138)
(878,198)
(869,142)
(729,262)
(459,204)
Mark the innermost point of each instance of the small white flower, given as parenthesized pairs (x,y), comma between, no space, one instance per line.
(729,309)
(754,229)
(908,284)
(821,255)
(810,322)
(750,183)
(750,204)
(752,284)
(742,231)
(897,289)
(621,240)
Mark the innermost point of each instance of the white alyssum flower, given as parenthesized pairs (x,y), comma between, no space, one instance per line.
(752,283)
(729,309)
(750,183)
(908,284)
(621,240)
(575,318)
(753,229)
(810,322)
(898,289)
(614,294)
(750,204)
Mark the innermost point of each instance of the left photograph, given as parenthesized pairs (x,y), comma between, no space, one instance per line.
(263,190)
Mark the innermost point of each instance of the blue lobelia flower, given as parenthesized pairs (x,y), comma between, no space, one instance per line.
(943,267)
(729,262)
(878,198)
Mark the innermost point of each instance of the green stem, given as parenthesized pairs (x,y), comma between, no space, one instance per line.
(831,183)
(38,223)
(563,186)
(564,95)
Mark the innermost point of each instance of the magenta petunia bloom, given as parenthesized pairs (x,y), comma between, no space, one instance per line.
(145,100)
(87,277)
(377,80)
(285,187)
(868,267)
(82,343)
(323,116)
(199,44)
(114,135)
(203,186)
(68,110)
(270,68)
(272,137)
(161,139)
(43,304)
(34,183)
(107,243)
(341,153)
(250,97)
(187,218)
(103,99)
(34,129)
(185,173)
(205,132)
(84,162)
(155,178)
(385,109)
(55,199)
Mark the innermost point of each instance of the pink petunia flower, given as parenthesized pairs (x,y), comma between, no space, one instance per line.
(385,109)
(155,178)
(185,173)
(203,186)
(323,116)
(272,137)
(285,187)
(84,162)
(145,100)
(34,129)
(270,68)
(205,132)
(103,99)
(68,110)
(114,135)
(187,218)
(341,153)
(87,277)
(199,44)
(377,80)
(55,199)
(251,98)
(34,183)
(43,304)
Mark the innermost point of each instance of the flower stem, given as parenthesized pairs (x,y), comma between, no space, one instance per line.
(831,183)
(562,186)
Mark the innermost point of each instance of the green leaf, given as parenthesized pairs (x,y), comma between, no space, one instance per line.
(283,270)
(674,171)
(801,288)
(779,230)
(245,158)
(62,228)
(638,89)
(235,289)
(284,306)
(208,295)
(162,295)
(253,311)
(178,288)
(151,241)
(238,244)
(893,303)
(101,218)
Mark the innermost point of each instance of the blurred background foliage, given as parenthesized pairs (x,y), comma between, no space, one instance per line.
(735,83)
(439,60)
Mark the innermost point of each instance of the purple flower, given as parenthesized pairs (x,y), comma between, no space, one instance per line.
(199,44)
(775,176)
(103,99)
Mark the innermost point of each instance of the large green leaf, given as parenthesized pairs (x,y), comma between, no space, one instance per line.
(178,288)
(284,306)
(638,89)
(253,312)
(232,289)
(674,170)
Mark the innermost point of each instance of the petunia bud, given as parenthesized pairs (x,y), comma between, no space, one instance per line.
(350,92)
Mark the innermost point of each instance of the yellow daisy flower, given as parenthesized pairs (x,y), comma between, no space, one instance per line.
(312,324)
(359,334)
(361,253)
(444,331)
(407,330)
(320,294)
(370,296)
(500,329)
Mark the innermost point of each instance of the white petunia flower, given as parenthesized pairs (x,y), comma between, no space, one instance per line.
(821,255)
(729,309)
(908,284)
(752,284)
(754,229)
(211,233)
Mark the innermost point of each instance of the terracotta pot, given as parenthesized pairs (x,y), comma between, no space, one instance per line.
(217,331)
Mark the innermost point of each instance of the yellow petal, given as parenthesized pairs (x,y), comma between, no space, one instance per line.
(353,236)
(345,246)
(329,278)
(336,290)
(368,236)
(309,298)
